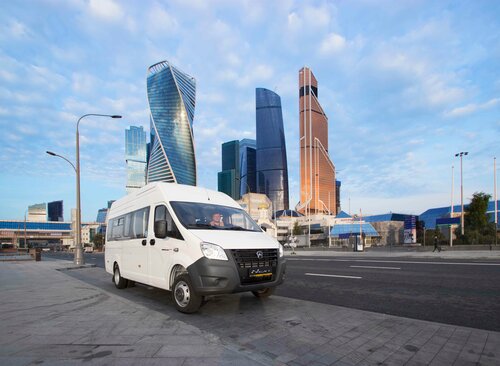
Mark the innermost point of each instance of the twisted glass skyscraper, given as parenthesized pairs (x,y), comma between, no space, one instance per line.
(272,168)
(172,98)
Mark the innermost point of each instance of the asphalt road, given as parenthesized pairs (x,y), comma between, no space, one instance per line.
(458,292)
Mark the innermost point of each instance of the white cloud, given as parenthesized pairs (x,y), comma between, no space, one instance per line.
(332,43)
(18,30)
(471,108)
(106,9)
(83,82)
(160,22)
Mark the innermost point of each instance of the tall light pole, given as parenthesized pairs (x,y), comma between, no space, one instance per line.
(451,207)
(79,259)
(495,196)
(461,154)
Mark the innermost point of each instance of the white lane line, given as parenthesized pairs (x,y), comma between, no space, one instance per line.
(399,262)
(328,275)
(375,267)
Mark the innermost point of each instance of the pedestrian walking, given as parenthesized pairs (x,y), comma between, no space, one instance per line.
(436,244)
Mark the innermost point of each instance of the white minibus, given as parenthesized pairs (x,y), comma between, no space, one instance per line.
(191,241)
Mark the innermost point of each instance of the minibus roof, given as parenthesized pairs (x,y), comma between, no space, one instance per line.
(173,192)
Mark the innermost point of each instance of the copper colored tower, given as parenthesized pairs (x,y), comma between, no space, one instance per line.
(317,172)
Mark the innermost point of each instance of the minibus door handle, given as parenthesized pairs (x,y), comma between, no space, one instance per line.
(144,242)
(152,242)
(176,250)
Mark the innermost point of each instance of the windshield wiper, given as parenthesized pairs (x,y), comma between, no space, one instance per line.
(200,225)
(236,228)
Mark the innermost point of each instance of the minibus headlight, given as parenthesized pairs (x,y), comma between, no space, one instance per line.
(281,250)
(213,251)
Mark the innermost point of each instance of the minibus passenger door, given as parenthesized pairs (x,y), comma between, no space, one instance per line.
(163,247)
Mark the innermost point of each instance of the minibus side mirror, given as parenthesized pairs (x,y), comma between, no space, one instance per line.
(161,229)
(263,228)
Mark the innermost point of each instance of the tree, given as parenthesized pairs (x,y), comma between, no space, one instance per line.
(478,229)
(98,241)
(296,229)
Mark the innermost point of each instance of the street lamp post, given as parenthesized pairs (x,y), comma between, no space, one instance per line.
(461,154)
(79,259)
(495,196)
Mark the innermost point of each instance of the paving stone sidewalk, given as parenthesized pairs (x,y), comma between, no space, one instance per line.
(50,318)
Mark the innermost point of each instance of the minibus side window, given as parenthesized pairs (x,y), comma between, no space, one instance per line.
(139,223)
(161,213)
(109,232)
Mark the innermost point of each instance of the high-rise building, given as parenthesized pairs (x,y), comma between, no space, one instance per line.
(172,98)
(37,212)
(135,156)
(271,162)
(338,184)
(248,167)
(55,211)
(228,180)
(317,172)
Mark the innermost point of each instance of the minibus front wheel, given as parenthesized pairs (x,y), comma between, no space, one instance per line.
(118,280)
(185,298)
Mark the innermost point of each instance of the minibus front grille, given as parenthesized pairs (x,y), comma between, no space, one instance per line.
(248,258)
(250,263)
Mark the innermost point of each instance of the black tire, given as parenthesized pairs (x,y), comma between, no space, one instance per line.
(185,298)
(118,280)
(265,292)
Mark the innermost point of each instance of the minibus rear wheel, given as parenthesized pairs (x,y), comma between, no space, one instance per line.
(118,280)
(185,299)
(265,292)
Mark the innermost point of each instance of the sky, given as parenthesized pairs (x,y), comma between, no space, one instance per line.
(405,85)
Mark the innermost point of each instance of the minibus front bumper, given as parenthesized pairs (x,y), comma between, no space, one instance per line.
(213,277)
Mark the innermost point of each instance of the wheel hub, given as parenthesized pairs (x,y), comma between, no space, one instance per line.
(182,295)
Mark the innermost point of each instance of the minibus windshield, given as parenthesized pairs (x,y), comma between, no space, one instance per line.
(203,216)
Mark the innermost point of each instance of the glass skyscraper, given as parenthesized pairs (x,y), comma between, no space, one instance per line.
(55,211)
(228,180)
(247,166)
(135,156)
(172,98)
(271,162)
(318,193)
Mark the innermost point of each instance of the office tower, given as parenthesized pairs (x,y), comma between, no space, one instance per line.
(171,96)
(271,164)
(101,215)
(37,212)
(248,166)
(317,172)
(55,211)
(135,157)
(228,180)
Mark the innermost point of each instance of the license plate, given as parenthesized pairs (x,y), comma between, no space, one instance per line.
(260,272)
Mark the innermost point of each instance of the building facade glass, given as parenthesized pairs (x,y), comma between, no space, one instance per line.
(135,156)
(172,98)
(271,161)
(318,192)
(229,177)
(248,166)
(55,211)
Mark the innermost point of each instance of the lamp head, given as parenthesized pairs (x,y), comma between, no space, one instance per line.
(116,116)
(50,153)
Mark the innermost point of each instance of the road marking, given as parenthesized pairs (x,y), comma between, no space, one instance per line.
(328,275)
(375,267)
(409,262)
